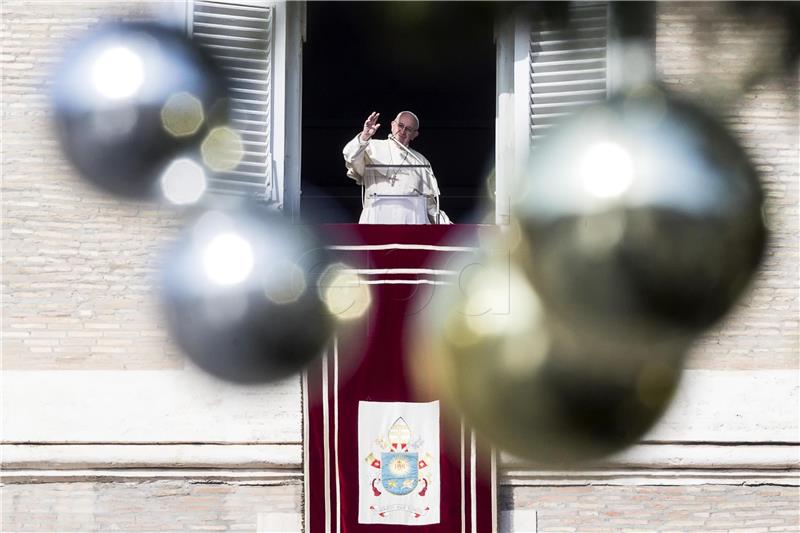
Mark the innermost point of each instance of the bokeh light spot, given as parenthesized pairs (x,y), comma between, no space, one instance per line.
(117,73)
(344,292)
(222,149)
(228,259)
(606,170)
(182,114)
(500,302)
(183,182)
(290,284)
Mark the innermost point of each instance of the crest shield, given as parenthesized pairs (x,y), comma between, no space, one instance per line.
(399,472)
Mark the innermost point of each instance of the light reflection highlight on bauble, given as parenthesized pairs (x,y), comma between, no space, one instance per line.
(228,259)
(117,73)
(606,170)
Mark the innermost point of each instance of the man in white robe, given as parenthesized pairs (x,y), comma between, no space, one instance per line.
(398,183)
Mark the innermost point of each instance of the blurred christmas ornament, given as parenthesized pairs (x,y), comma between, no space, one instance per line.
(127,98)
(240,290)
(642,218)
(529,384)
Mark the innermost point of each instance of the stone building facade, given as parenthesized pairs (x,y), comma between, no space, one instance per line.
(106,428)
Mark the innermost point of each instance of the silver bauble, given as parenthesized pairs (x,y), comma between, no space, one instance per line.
(127,97)
(240,288)
(526,382)
(641,217)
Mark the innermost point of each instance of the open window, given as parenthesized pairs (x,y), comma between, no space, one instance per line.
(487,81)
(434,58)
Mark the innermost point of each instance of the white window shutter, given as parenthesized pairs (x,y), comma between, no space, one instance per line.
(239,35)
(568,66)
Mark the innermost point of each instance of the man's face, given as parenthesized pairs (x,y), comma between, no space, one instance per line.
(405,129)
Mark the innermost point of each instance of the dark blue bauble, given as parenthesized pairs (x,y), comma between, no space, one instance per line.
(240,290)
(127,97)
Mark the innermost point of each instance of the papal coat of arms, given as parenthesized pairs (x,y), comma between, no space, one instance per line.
(400,467)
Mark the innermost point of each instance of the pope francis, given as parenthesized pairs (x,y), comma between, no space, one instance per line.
(398,184)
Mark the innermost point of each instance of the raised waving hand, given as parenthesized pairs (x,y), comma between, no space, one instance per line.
(370,126)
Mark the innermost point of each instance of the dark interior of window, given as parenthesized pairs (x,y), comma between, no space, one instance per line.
(434,58)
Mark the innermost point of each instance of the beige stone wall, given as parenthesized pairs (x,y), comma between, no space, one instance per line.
(614,509)
(706,52)
(78,265)
(196,505)
(160,505)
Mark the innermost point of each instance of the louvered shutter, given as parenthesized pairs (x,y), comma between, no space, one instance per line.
(239,37)
(568,66)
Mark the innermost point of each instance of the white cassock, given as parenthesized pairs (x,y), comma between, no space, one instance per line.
(398,183)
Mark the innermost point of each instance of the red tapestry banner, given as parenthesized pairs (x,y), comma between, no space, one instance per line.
(377,458)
